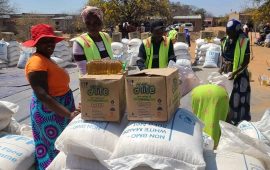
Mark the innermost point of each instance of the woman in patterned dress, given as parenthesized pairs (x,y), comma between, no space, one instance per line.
(236,56)
(52,106)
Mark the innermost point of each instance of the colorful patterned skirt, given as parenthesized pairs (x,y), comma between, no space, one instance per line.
(47,126)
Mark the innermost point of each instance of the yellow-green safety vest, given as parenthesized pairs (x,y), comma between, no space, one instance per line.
(90,49)
(163,52)
(239,51)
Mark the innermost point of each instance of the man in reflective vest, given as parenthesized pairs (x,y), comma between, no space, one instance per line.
(157,50)
(236,56)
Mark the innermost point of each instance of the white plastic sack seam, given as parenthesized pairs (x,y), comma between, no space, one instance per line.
(90,139)
(233,140)
(176,144)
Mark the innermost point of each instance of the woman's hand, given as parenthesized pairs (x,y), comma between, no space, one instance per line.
(231,76)
(74,114)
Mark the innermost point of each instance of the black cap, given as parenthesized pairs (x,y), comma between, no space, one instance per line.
(157,25)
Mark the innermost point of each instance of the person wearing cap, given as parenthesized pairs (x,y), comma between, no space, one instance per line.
(94,44)
(52,105)
(157,50)
(236,56)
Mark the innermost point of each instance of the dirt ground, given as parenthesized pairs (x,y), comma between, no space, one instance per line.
(259,65)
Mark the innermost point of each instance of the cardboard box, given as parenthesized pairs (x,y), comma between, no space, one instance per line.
(152,94)
(102,97)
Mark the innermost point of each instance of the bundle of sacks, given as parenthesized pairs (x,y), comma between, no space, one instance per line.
(62,54)
(181,51)
(187,78)
(208,53)
(10,52)
(176,144)
(127,51)
(246,146)
(16,141)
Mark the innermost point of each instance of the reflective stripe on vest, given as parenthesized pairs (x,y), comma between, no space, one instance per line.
(89,47)
(163,52)
(239,52)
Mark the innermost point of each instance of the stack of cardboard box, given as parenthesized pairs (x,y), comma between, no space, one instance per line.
(149,95)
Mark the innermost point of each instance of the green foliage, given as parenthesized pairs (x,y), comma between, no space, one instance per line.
(116,11)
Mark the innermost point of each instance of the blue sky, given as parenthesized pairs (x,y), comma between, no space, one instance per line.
(216,7)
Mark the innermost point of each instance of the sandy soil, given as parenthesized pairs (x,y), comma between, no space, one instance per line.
(260,95)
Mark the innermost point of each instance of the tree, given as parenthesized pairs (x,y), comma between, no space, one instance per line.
(133,11)
(5,7)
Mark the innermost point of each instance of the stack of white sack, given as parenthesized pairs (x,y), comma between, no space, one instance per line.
(181,51)
(187,78)
(3,54)
(176,144)
(199,42)
(87,141)
(8,124)
(133,51)
(26,53)
(203,50)
(13,53)
(213,56)
(17,152)
(62,54)
(238,141)
(221,80)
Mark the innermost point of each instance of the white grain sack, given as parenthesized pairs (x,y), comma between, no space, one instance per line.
(90,139)
(16,152)
(233,140)
(176,144)
(251,130)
